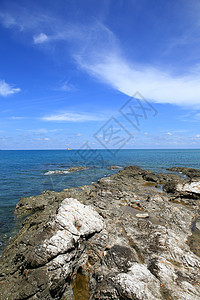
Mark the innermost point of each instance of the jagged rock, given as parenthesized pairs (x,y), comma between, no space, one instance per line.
(49,259)
(90,242)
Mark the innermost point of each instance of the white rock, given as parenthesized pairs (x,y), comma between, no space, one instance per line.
(139,283)
(72,220)
(77,218)
(193,187)
(144,215)
(167,273)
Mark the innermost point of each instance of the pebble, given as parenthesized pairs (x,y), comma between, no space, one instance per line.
(145,215)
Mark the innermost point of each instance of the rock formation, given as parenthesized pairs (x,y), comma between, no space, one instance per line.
(93,243)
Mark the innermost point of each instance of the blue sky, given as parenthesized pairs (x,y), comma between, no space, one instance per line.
(68,67)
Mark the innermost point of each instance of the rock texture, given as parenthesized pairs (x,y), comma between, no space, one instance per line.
(123,237)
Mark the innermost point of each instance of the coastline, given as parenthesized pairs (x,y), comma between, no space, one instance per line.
(103,245)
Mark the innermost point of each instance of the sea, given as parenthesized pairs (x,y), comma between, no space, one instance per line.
(25,173)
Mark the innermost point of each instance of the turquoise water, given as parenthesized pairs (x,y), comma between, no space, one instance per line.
(22,173)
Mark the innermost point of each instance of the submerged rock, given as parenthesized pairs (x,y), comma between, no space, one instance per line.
(114,168)
(69,170)
(120,238)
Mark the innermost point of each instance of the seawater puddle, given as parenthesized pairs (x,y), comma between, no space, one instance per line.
(153,185)
(181,204)
(81,288)
(133,211)
(194,240)
(149,184)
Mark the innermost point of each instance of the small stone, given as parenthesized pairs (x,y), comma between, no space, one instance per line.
(145,215)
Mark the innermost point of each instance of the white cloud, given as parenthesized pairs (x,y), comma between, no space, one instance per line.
(40,38)
(7,90)
(7,20)
(96,50)
(72,117)
(169,133)
(154,84)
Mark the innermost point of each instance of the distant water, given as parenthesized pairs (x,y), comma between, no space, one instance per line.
(22,173)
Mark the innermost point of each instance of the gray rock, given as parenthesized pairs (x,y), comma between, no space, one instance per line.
(190,172)
(89,242)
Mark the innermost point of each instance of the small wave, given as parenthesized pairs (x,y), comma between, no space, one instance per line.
(56,172)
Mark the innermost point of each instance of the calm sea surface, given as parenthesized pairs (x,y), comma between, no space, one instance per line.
(22,173)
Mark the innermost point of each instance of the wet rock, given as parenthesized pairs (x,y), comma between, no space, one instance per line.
(114,168)
(190,172)
(76,169)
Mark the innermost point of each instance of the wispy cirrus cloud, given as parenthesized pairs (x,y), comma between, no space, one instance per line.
(73,117)
(160,85)
(7,89)
(191,116)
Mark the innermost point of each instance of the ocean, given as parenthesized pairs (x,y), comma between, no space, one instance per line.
(23,173)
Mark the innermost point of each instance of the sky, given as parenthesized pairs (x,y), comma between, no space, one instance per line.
(95,74)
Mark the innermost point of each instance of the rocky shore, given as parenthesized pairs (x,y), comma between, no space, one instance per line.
(133,235)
